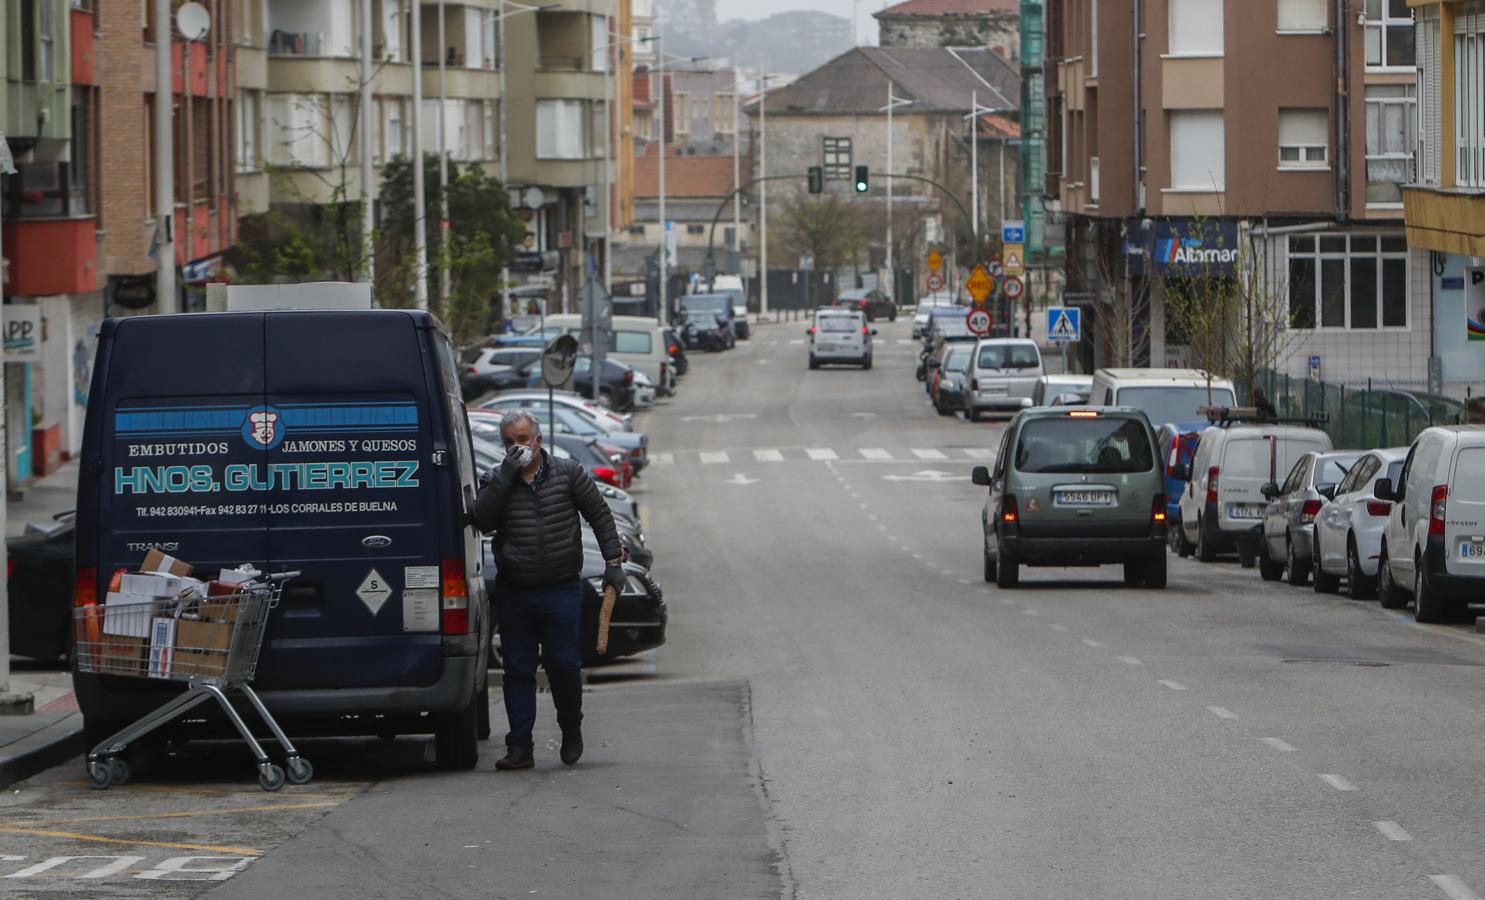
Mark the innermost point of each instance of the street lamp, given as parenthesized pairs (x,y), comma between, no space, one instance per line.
(892,103)
(660,57)
(975,111)
(608,156)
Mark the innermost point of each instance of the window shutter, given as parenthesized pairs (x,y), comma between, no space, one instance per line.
(1302,15)
(1430,126)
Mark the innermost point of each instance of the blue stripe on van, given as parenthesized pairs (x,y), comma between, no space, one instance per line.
(299,417)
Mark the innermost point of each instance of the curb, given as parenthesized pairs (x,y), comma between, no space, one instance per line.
(39,751)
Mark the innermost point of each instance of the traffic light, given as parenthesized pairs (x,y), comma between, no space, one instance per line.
(817,179)
(863,179)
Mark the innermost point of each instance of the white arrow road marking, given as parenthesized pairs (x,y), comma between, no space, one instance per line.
(1338,782)
(1221,712)
(1452,886)
(740,478)
(875,453)
(1174,685)
(926,475)
(863,415)
(714,456)
(1393,831)
(1279,745)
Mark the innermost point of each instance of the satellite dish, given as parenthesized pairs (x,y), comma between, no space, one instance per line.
(193,21)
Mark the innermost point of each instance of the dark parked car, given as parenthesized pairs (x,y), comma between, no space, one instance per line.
(719,303)
(705,330)
(947,382)
(39,575)
(871,301)
(616,390)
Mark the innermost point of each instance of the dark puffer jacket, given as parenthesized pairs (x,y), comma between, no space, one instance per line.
(538,540)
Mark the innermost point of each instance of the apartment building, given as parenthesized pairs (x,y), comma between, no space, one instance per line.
(1444,207)
(1264,140)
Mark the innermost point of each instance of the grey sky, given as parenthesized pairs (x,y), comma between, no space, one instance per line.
(866,26)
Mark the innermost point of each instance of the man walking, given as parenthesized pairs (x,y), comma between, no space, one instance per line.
(532,504)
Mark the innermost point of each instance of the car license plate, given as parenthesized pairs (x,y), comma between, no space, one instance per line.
(1244,511)
(1084,498)
(1471,550)
(827,348)
(997,390)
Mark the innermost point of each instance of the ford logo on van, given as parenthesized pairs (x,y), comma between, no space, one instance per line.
(376,542)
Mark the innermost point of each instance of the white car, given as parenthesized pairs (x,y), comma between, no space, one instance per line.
(498,359)
(1433,547)
(613,421)
(1348,529)
(644,390)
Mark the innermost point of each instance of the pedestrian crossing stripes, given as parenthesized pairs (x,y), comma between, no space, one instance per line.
(822,454)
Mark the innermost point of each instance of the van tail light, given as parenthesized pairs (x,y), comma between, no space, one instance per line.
(1437,504)
(85,586)
(1157,509)
(1009,511)
(1212,483)
(866,329)
(473,370)
(974,384)
(455,598)
(629,377)
(812,331)
(675,350)
(607,475)
(9,569)
(1378,508)
(1309,511)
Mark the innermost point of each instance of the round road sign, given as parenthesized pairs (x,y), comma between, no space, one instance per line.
(1013,287)
(996,268)
(979,321)
(935,282)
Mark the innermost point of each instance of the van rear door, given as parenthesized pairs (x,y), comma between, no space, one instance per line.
(354,501)
(1252,459)
(1464,519)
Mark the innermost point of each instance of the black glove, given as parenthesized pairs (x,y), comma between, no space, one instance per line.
(614,577)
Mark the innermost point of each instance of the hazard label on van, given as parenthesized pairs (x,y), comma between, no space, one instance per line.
(374,591)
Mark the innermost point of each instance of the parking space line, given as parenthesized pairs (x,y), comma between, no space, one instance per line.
(874,453)
(1281,746)
(820,453)
(1130,661)
(768,455)
(192,814)
(1338,782)
(1453,887)
(978,453)
(1393,831)
(129,842)
(928,453)
(1173,685)
(714,456)
(662,459)
(1221,712)
(1091,642)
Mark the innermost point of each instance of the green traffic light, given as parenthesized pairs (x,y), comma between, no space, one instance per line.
(863,179)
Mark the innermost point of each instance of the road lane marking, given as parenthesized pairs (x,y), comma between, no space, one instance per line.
(978,453)
(768,455)
(193,814)
(1281,746)
(874,453)
(1091,642)
(662,459)
(918,556)
(1173,685)
(1453,887)
(796,341)
(128,842)
(1130,661)
(821,453)
(1338,782)
(717,456)
(1056,627)
(1393,831)
(1031,612)
(928,453)
(1007,601)
(905,341)
(1221,712)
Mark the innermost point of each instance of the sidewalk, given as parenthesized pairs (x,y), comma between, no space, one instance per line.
(49,736)
(45,498)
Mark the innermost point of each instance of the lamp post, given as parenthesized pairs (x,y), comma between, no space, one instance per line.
(892,103)
(420,202)
(443,162)
(609,86)
(363,115)
(660,57)
(762,194)
(164,165)
(975,111)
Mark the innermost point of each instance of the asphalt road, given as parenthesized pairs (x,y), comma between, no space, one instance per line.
(845,710)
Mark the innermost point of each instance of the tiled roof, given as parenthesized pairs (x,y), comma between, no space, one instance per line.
(993,126)
(685,175)
(937,80)
(949,8)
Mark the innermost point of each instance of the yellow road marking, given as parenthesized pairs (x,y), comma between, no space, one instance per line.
(214,792)
(72,835)
(190,814)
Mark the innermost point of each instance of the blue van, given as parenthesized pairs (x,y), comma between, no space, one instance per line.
(330,442)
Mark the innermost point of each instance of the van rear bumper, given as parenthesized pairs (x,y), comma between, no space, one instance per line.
(1071,551)
(125,699)
(1435,569)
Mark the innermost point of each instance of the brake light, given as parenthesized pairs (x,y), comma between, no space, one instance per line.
(1157,509)
(1309,511)
(1378,508)
(1437,504)
(1084,414)
(9,569)
(812,330)
(629,377)
(675,349)
(636,453)
(473,370)
(85,586)
(1009,511)
(455,598)
(607,475)
(866,329)
(1212,484)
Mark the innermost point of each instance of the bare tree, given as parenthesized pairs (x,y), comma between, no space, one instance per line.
(1124,301)
(825,226)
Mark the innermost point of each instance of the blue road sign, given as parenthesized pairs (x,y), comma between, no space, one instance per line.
(1064,323)
(1013,231)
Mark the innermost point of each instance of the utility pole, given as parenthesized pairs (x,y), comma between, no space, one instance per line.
(763,192)
(609,84)
(504,157)
(974,165)
(443,163)
(736,172)
(17,704)
(165,298)
(368,212)
(420,202)
(664,230)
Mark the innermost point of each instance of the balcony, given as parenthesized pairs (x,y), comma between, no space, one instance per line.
(51,256)
(302,43)
(1448,220)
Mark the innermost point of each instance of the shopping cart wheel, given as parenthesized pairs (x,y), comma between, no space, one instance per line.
(270,777)
(100,776)
(119,770)
(299,770)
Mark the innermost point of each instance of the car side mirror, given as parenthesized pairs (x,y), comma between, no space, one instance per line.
(873,331)
(1384,490)
(980,475)
(1269,490)
(1326,490)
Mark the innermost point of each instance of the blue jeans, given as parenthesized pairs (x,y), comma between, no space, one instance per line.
(549,618)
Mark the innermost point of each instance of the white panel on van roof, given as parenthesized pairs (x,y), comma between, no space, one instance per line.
(314,295)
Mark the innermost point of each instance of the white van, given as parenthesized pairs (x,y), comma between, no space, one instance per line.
(1163,395)
(1002,376)
(638,341)
(840,336)
(1223,505)
(1433,545)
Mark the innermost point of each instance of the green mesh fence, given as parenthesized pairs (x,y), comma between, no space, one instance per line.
(1359,418)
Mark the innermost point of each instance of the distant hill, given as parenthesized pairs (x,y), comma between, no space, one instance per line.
(789,43)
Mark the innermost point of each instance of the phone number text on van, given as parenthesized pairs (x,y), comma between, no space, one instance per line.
(240,477)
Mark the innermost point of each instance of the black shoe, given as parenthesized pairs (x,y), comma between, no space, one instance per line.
(515,758)
(572,746)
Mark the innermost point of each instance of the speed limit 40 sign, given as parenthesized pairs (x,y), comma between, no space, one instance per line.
(978,321)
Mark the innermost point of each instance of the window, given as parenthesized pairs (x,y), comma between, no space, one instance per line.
(394,127)
(1302,15)
(474,130)
(489,128)
(297,121)
(601,44)
(1093,38)
(1391,138)
(1389,34)
(696,229)
(1429,156)
(837,159)
(559,129)
(1469,106)
(1358,282)
(47,37)
(1105,445)
(489,21)
(1303,137)
(247,132)
(632,342)
(1198,152)
(680,115)
(342,127)
(391,31)
(1196,27)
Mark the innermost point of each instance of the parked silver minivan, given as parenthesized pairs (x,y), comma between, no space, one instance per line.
(840,336)
(1002,376)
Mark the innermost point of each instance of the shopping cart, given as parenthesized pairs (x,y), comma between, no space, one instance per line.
(210,643)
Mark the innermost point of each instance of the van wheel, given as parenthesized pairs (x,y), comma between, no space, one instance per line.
(1134,573)
(1296,572)
(1325,583)
(972,413)
(1155,572)
(814,363)
(1389,594)
(1359,585)
(1205,552)
(1247,554)
(1007,570)
(1428,606)
(456,737)
(989,562)
(866,363)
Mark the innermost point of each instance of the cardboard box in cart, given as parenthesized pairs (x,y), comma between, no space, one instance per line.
(201,646)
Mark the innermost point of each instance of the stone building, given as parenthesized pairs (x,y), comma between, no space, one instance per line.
(952,23)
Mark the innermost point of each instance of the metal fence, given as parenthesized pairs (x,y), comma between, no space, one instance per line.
(1361,418)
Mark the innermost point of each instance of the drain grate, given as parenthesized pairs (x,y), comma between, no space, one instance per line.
(1369,663)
